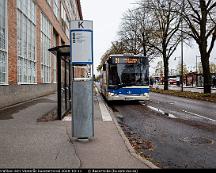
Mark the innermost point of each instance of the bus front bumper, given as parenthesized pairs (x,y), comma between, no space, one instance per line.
(127,97)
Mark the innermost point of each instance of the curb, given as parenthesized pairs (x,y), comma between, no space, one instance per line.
(130,148)
(127,143)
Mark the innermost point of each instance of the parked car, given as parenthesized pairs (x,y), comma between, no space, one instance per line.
(172,81)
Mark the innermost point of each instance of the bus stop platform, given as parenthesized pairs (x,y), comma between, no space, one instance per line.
(29,141)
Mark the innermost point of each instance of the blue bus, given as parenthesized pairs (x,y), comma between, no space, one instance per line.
(125,77)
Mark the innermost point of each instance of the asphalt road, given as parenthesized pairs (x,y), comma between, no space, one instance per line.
(180,134)
(192,89)
(184,108)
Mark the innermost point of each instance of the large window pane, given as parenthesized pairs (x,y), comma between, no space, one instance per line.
(26,41)
(56,8)
(45,45)
(3,51)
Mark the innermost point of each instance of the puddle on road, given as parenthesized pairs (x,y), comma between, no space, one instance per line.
(114,109)
(197,140)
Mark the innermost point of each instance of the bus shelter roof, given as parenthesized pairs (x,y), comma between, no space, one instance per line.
(62,50)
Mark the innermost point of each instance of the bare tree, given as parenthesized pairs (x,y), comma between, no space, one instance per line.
(185,69)
(129,32)
(146,27)
(117,47)
(165,30)
(200,16)
(212,68)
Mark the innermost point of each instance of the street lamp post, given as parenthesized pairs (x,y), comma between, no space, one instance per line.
(182,49)
(180,73)
(196,64)
(197,69)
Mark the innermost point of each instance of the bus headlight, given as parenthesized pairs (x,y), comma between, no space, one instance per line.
(146,94)
(111,94)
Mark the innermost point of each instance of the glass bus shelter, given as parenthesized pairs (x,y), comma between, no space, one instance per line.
(63,68)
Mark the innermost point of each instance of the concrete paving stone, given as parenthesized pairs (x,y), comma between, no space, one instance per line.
(26,143)
(106,150)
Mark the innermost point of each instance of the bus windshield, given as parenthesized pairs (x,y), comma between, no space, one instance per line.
(121,75)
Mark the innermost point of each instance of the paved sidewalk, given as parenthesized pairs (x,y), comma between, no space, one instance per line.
(26,143)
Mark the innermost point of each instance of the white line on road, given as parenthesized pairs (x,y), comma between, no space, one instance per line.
(104,111)
(67,118)
(162,112)
(173,116)
(198,115)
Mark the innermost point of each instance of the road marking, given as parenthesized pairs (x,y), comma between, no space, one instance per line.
(104,111)
(173,116)
(96,90)
(67,118)
(162,112)
(198,115)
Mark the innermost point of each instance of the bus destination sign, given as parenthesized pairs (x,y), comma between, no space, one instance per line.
(125,60)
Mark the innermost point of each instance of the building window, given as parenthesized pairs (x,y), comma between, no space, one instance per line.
(54,57)
(49,2)
(67,28)
(65,21)
(3,43)
(63,13)
(26,38)
(56,7)
(45,45)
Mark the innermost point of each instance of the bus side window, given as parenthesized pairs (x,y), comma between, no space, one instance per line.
(104,67)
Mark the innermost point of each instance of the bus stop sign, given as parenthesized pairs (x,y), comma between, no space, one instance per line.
(81,37)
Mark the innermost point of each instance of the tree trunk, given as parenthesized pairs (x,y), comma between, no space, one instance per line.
(205,65)
(166,73)
(206,73)
(143,44)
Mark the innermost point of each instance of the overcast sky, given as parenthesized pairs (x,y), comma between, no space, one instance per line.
(106,16)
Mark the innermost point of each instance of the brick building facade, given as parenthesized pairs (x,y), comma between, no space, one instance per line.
(28,28)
